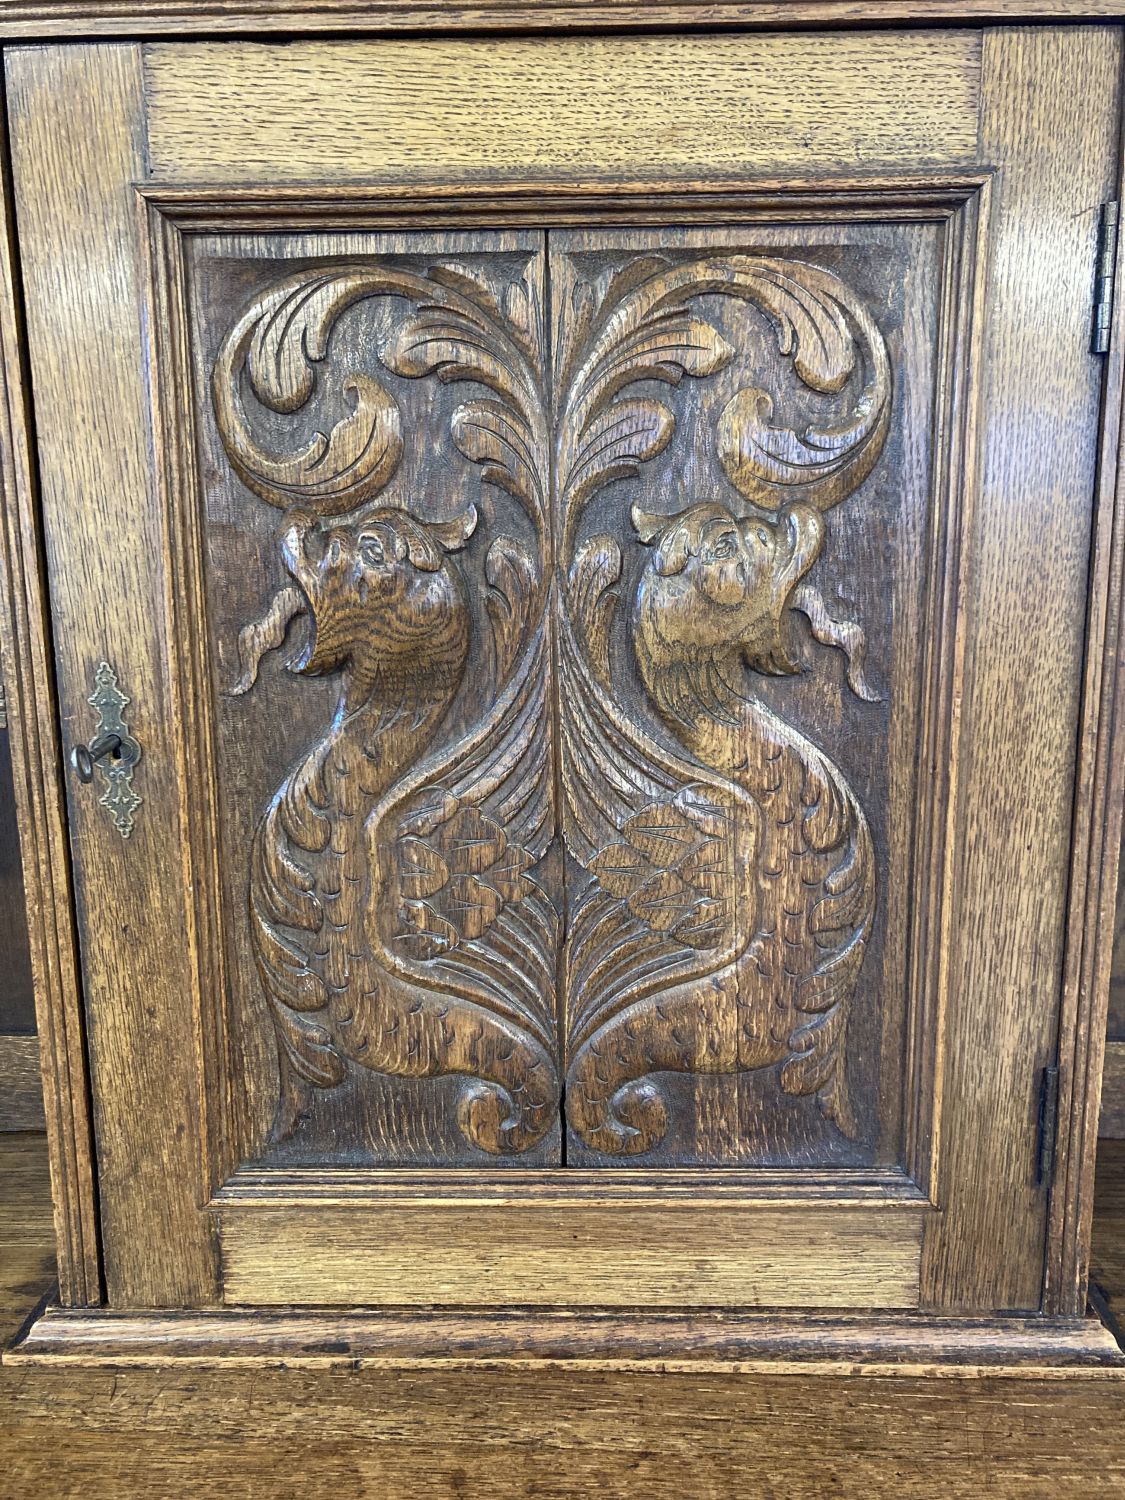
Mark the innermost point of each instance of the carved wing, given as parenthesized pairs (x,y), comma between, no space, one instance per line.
(664,845)
(816,872)
(455,845)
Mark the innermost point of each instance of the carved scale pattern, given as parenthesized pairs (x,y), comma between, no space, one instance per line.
(721,878)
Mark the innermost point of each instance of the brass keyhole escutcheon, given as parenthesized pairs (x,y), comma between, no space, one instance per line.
(113,751)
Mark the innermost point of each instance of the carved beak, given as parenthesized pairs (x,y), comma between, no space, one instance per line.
(767,650)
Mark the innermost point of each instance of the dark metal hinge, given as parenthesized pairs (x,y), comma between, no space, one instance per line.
(1048,1125)
(1103,277)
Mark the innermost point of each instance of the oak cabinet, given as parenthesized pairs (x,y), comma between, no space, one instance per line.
(582,587)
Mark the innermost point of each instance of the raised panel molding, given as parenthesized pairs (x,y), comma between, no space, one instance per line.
(553,605)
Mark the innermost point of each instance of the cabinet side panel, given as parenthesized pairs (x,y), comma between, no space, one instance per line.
(1023,644)
(37,795)
(77,143)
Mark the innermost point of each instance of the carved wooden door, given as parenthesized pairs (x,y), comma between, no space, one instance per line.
(588,844)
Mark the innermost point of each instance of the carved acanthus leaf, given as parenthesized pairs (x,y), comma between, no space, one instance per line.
(615,442)
(642,339)
(501,441)
(596,568)
(509,571)
(279,341)
(825,330)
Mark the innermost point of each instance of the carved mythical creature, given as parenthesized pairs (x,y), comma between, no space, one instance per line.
(387,613)
(729,894)
(384,880)
(712,602)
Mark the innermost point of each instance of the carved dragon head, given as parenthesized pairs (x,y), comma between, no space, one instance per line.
(385,609)
(714,596)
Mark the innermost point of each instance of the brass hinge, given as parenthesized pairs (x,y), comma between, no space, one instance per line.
(1103,277)
(1048,1125)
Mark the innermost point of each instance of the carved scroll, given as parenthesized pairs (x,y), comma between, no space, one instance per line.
(720,883)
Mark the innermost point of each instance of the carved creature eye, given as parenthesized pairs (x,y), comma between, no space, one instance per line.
(372,551)
(763,536)
(725,546)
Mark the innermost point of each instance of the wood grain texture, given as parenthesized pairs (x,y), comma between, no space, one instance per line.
(1038,447)
(186,1417)
(1096,846)
(133,18)
(589,1256)
(27,1239)
(77,146)
(510,1435)
(433,111)
(1112,1123)
(21,1086)
(641,1342)
(36,764)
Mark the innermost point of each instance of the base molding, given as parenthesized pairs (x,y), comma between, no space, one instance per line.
(702,1342)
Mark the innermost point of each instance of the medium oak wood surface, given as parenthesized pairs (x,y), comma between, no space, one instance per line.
(21,1084)
(1113,1092)
(606,108)
(184,1086)
(380,1427)
(354,868)
(71,18)
(36,760)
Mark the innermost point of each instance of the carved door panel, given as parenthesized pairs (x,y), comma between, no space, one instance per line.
(731,995)
(391,841)
(586,844)
(709,894)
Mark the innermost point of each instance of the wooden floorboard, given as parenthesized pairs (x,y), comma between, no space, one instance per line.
(27,1257)
(343,1433)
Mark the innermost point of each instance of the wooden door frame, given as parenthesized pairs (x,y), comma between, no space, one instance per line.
(74,20)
